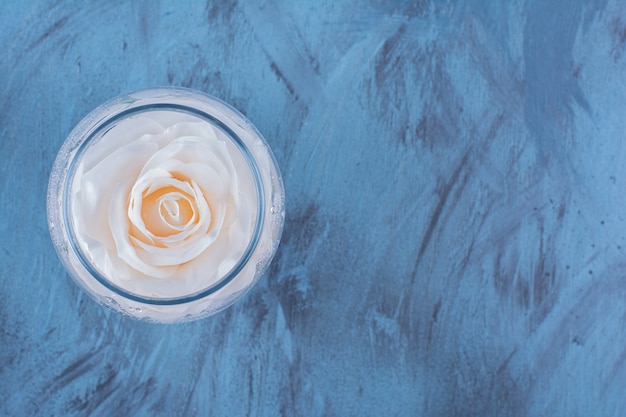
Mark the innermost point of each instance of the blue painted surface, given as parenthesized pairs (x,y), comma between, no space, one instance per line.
(455,237)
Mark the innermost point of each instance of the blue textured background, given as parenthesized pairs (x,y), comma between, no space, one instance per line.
(455,238)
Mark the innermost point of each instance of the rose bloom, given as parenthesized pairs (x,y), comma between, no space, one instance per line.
(163,204)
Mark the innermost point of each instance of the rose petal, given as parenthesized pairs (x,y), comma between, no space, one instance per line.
(120,139)
(120,224)
(94,190)
(193,149)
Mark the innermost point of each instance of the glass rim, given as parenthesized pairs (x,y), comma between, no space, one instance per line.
(87,134)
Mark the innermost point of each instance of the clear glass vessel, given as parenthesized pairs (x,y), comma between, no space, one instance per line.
(95,264)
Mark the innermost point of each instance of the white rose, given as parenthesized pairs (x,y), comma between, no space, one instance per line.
(163,205)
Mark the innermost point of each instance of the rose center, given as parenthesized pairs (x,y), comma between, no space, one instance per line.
(175,211)
(167,211)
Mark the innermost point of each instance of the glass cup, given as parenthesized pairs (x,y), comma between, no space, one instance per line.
(166,205)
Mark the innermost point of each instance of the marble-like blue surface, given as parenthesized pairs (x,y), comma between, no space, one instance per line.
(456,188)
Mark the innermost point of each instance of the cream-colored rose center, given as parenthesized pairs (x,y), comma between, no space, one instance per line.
(167,211)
